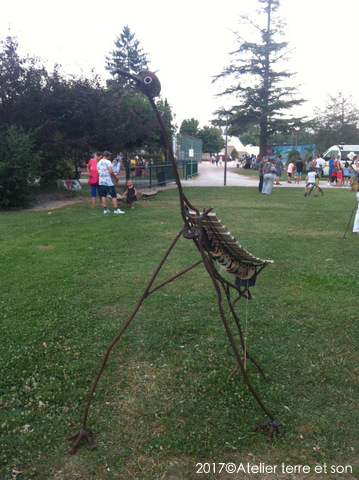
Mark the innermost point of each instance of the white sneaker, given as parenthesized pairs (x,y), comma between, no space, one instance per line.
(118,211)
(106,210)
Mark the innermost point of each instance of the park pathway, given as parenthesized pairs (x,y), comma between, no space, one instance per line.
(212,176)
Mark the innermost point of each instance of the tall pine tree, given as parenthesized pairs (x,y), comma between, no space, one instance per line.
(257,84)
(128,56)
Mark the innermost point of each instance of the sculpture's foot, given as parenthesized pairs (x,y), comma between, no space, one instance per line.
(79,436)
(273,426)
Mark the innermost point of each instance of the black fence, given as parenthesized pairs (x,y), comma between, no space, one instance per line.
(161,174)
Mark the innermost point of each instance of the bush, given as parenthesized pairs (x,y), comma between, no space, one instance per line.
(18,164)
(294,155)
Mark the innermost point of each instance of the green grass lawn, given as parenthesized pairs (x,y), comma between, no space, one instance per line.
(71,277)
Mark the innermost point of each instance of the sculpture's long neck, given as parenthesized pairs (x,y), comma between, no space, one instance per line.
(183,199)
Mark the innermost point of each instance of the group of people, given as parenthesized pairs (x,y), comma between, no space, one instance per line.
(295,171)
(270,174)
(216,159)
(340,175)
(102,173)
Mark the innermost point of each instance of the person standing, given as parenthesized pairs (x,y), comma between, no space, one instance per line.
(331,168)
(339,174)
(336,167)
(299,171)
(355,186)
(290,171)
(261,173)
(279,169)
(130,194)
(116,164)
(346,173)
(106,185)
(92,172)
(319,164)
(268,178)
(308,164)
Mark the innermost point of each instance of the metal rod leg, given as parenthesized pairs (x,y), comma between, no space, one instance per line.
(87,433)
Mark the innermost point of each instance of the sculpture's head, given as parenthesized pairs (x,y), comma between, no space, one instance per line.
(146,81)
(149,83)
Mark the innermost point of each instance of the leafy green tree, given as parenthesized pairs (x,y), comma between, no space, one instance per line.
(250,136)
(257,83)
(212,139)
(18,167)
(190,127)
(68,123)
(21,81)
(61,111)
(129,122)
(69,117)
(338,122)
(234,154)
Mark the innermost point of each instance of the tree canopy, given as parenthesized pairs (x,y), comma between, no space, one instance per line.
(190,127)
(338,122)
(259,83)
(65,118)
(212,139)
(127,55)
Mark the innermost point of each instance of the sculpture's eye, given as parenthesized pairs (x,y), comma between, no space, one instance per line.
(150,83)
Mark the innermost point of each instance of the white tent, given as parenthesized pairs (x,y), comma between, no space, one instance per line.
(234,142)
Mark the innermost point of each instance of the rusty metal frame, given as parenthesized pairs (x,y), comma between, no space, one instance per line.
(148,83)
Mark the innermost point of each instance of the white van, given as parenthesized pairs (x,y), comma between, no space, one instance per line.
(345,152)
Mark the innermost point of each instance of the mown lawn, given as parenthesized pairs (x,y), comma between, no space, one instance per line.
(71,277)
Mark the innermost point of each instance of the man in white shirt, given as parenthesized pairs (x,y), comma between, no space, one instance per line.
(319,164)
(105,184)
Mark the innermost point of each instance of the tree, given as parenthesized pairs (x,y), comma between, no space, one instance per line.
(338,122)
(58,112)
(138,127)
(69,117)
(234,154)
(250,136)
(18,167)
(21,80)
(128,56)
(212,139)
(190,127)
(293,155)
(257,84)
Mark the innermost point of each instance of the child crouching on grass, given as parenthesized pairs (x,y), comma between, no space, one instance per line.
(130,194)
(312,180)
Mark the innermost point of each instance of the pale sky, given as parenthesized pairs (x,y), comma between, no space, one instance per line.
(188,43)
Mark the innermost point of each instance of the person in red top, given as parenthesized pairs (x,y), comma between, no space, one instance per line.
(335,170)
(93,176)
(339,174)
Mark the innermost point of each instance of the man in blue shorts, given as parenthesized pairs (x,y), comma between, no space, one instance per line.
(105,184)
(299,169)
(279,168)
